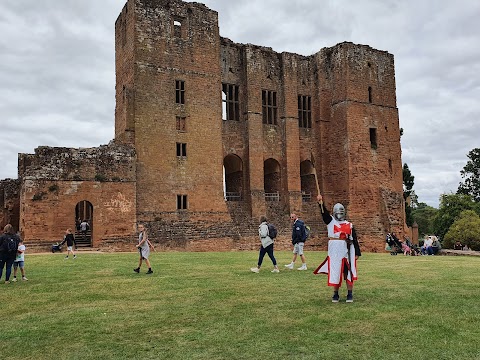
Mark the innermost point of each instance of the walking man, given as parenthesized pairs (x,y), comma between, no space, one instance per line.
(298,240)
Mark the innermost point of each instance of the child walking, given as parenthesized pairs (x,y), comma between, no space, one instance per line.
(70,240)
(19,262)
(143,247)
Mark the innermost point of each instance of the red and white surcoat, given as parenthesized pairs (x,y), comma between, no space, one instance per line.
(337,261)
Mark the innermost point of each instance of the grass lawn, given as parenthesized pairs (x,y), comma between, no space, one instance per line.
(210,306)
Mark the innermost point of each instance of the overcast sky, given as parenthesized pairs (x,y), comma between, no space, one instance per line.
(57,70)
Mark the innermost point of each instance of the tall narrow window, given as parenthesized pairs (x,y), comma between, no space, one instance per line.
(180,91)
(370,94)
(304,111)
(373,138)
(269,107)
(177,28)
(181,150)
(230,102)
(182,202)
(181,124)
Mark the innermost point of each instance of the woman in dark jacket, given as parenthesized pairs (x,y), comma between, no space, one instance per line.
(8,251)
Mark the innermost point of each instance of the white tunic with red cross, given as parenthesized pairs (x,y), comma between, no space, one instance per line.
(337,261)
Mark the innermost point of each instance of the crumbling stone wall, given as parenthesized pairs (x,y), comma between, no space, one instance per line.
(55,180)
(10,203)
(353,141)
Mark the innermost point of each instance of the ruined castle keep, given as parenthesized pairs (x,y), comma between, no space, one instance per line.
(211,134)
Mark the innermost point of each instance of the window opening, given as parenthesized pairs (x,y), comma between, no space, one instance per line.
(177,28)
(373,138)
(230,102)
(181,202)
(269,107)
(304,111)
(180,91)
(370,94)
(181,124)
(181,150)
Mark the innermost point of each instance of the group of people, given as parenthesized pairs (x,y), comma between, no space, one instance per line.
(12,254)
(340,263)
(343,248)
(431,245)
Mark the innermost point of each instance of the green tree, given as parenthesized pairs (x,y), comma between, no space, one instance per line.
(408,181)
(451,205)
(471,175)
(423,215)
(466,229)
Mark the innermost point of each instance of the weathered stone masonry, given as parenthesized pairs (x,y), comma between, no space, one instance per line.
(220,133)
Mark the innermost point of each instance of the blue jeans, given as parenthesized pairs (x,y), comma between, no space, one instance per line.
(268,250)
(8,271)
(428,250)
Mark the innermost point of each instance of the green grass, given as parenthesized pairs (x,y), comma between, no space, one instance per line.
(210,306)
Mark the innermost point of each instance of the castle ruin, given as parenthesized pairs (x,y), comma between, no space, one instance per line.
(211,134)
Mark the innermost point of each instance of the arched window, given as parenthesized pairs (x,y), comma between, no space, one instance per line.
(272,177)
(308,181)
(233,178)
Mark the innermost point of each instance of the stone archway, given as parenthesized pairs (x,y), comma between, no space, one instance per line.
(233,178)
(84,212)
(272,180)
(307,181)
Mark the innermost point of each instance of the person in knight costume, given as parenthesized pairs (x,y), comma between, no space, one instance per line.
(343,250)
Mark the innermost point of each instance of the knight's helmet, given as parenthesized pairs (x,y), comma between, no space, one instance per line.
(339,212)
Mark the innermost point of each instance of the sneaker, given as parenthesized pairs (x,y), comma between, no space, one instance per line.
(255,270)
(289,266)
(150,271)
(7,282)
(349,298)
(335,298)
(137,270)
(303,267)
(74,256)
(275,271)
(24,278)
(14,279)
(66,257)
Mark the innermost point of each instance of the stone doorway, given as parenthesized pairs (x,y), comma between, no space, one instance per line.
(84,211)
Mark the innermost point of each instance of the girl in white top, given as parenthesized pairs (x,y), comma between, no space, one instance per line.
(19,262)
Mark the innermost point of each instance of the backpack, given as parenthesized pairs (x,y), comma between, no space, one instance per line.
(307,232)
(11,245)
(272,231)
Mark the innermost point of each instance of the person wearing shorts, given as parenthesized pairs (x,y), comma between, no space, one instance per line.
(298,240)
(19,262)
(70,240)
(143,247)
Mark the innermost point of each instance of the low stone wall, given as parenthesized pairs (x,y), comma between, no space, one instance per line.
(450,252)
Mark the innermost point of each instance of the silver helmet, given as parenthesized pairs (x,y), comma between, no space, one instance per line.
(339,212)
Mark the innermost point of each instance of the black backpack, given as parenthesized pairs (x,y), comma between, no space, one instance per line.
(10,245)
(272,231)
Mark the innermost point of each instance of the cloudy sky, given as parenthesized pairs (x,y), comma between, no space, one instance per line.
(57,72)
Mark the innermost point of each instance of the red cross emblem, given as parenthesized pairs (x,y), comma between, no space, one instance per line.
(343,229)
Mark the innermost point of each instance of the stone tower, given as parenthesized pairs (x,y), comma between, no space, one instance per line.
(169,108)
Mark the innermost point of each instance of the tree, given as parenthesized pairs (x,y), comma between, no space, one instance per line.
(408,181)
(466,229)
(423,215)
(451,205)
(471,175)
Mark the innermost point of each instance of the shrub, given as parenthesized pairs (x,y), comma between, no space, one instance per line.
(466,229)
